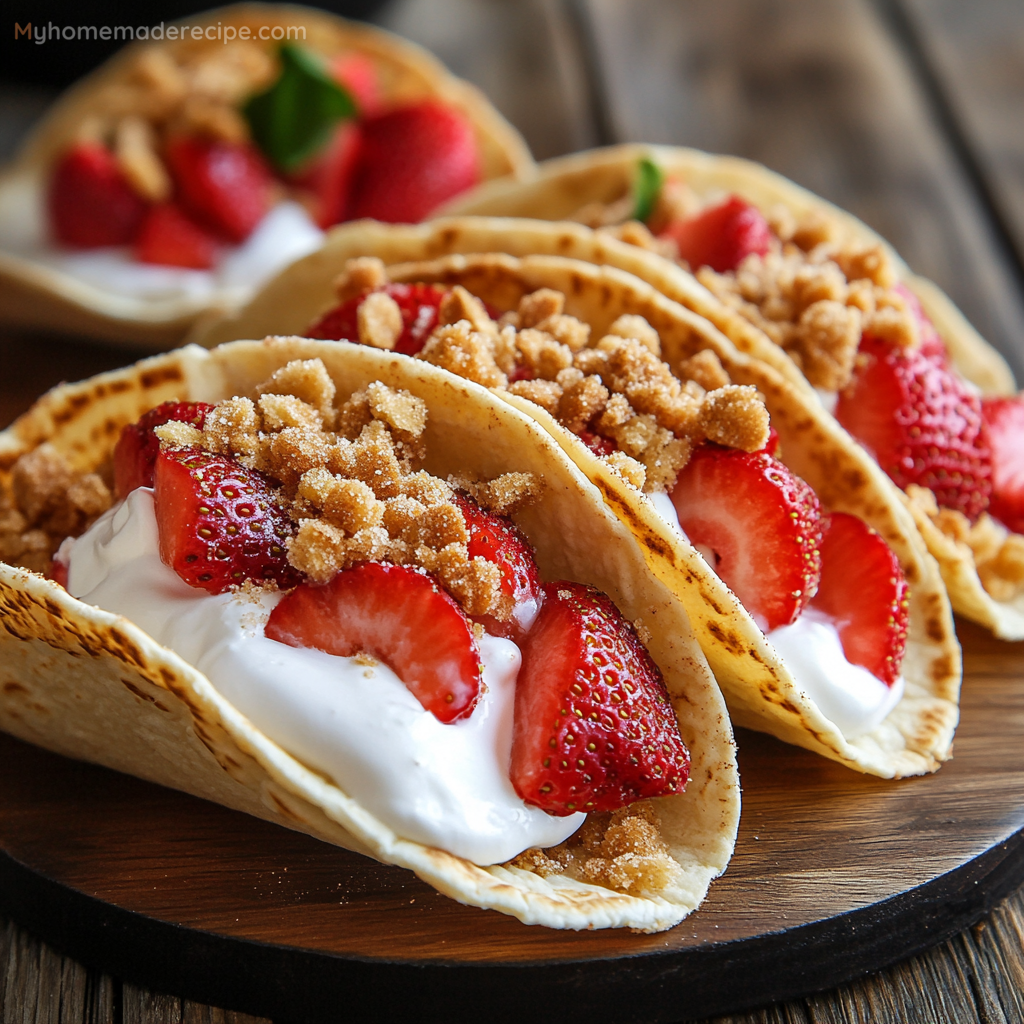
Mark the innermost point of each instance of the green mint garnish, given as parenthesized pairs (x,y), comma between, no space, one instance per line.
(295,117)
(649,179)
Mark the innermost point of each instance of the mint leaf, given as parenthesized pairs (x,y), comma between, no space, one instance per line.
(649,179)
(295,117)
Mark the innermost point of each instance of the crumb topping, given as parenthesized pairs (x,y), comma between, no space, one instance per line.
(623,851)
(349,478)
(998,554)
(618,387)
(812,294)
(46,501)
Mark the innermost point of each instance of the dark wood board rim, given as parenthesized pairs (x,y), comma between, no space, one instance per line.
(303,985)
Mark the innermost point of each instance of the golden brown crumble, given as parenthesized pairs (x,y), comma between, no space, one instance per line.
(379,320)
(362,274)
(623,851)
(619,387)
(998,554)
(46,502)
(349,480)
(812,294)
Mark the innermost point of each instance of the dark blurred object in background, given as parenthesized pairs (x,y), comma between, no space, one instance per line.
(58,63)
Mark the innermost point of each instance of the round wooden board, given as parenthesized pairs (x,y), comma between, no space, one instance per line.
(834,875)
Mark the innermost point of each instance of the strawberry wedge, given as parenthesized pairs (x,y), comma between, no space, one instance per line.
(399,615)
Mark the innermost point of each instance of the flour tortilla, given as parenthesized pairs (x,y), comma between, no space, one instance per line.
(73,676)
(38,296)
(562,186)
(917,736)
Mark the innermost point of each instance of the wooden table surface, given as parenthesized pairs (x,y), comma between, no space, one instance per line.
(910,113)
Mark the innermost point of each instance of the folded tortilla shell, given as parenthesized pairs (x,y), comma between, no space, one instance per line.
(38,296)
(72,676)
(917,736)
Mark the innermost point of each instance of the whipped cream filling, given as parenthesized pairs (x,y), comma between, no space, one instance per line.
(441,785)
(849,696)
(284,235)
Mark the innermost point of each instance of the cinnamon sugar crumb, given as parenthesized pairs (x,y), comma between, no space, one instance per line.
(545,393)
(505,494)
(307,379)
(176,434)
(47,501)
(623,851)
(997,554)
(538,306)
(735,416)
(629,469)
(705,369)
(459,304)
(464,352)
(379,321)
(630,325)
(362,274)
(280,411)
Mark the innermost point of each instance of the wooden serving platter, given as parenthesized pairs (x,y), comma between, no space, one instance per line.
(834,875)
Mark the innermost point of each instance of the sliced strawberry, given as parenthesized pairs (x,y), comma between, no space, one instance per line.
(224,185)
(932,345)
(137,448)
(761,525)
(419,304)
(413,159)
(863,590)
(498,540)
(170,238)
(1004,428)
(921,423)
(329,176)
(594,727)
(771,446)
(398,614)
(358,73)
(219,524)
(90,201)
(598,444)
(722,236)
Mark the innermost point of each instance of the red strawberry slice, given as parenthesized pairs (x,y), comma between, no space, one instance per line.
(722,236)
(137,448)
(170,238)
(863,590)
(413,159)
(760,522)
(218,522)
(921,423)
(358,74)
(594,727)
(224,185)
(498,540)
(597,443)
(419,304)
(329,176)
(90,201)
(398,614)
(1004,423)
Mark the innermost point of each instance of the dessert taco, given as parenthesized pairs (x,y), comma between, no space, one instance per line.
(187,169)
(785,273)
(310,604)
(671,423)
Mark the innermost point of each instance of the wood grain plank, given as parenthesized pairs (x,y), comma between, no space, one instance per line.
(524,54)
(820,91)
(977,52)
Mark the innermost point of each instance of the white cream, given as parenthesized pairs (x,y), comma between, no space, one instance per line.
(442,785)
(849,696)
(284,235)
